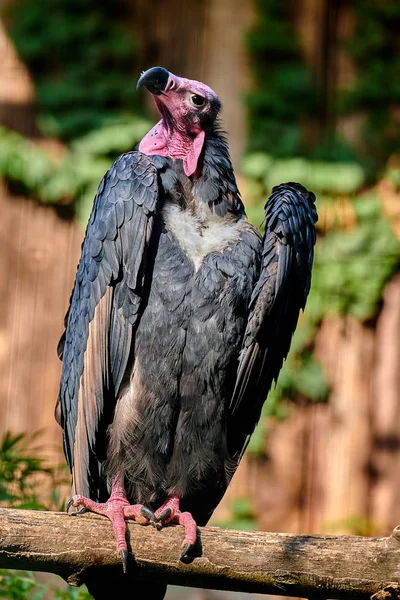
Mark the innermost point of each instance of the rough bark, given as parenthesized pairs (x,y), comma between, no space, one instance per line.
(274,563)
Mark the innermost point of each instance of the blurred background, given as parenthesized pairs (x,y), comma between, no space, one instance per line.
(311,93)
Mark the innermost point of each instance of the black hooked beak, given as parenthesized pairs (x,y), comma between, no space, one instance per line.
(155,80)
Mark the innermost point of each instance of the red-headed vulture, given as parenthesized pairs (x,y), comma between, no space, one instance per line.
(180,319)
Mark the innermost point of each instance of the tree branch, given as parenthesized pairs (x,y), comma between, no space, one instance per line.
(77,548)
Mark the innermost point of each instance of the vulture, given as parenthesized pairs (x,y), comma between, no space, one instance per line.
(179,321)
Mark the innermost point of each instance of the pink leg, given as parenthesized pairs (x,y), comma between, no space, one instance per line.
(117,509)
(169,513)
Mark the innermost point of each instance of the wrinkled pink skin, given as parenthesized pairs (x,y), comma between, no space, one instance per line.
(117,509)
(178,136)
(181,518)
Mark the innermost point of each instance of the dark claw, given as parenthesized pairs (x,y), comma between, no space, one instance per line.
(185,550)
(124,558)
(69,504)
(148,514)
(81,511)
(166,513)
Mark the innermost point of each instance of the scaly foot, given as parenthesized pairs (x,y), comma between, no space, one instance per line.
(169,513)
(116,509)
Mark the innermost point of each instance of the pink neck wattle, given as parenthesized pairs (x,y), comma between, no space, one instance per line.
(173,144)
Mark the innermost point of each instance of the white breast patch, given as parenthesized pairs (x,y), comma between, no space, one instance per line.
(196,238)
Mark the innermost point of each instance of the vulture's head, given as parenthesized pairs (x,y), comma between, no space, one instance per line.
(188,110)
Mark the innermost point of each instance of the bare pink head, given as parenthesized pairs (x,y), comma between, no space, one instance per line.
(188,110)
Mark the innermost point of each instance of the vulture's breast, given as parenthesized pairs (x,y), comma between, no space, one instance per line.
(197,236)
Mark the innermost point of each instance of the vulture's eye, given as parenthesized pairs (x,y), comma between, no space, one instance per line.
(197,100)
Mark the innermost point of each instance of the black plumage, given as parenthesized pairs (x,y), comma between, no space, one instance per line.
(279,294)
(180,319)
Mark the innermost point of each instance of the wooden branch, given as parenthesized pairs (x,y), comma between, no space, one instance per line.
(76,548)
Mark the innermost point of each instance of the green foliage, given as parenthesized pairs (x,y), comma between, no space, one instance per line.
(76,176)
(22,585)
(71,593)
(82,168)
(286,97)
(355,525)
(81,58)
(243,515)
(393,174)
(334,178)
(375,49)
(284,93)
(23,163)
(21,472)
(352,268)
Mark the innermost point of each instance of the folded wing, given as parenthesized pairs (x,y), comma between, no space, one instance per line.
(104,309)
(280,294)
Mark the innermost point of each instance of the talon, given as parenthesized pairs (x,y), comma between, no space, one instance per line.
(185,550)
(124,559)
(81,511)
(148,514)
(164,516)
(118,510)
(69,504)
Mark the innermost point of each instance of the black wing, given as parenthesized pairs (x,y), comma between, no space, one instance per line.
(280,293)
(104,308)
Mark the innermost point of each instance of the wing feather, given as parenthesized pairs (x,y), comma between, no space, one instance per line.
(279,295)
(104,308)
